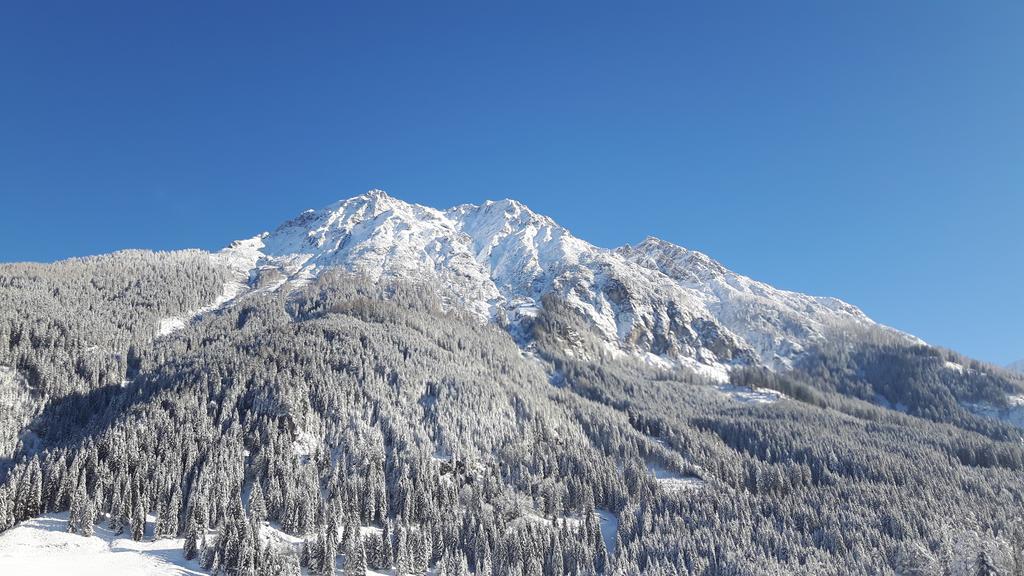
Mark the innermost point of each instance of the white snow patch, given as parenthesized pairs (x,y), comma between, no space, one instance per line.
(885,403)
(44,546)
(750,395)
(715,372)
(365,531)
(607,520)
(672,481)
(305,444)
(656,361)
(609,523)
(1012,415)
(170,325)
(955,366)
(11,381)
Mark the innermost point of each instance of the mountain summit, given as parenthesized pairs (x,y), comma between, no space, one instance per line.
(500,260)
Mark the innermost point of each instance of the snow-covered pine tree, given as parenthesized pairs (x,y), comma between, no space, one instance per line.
(193,534)
(257,504)
(355,557)
(81,515)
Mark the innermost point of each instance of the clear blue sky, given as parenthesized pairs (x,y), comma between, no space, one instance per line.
(868,150)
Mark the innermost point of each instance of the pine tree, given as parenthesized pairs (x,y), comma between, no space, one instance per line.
(160,527)
(387,548)
(138,521)
(174,513)
(245,563)
(355,557)
(28,502)
(6,509)
(192,535)
(983,565)
(116,522)
(600,552)
(80,517)
(402,551)
(1017,549)
(257,504)
(486,567)
(421,552)
(330,549)
(351,531)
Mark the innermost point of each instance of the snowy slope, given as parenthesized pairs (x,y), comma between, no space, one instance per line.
(777,324)
(498,260)
(44,546)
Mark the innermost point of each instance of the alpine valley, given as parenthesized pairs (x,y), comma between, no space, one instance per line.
(379,387)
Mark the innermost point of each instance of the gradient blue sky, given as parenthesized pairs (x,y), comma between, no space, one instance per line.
(870,150)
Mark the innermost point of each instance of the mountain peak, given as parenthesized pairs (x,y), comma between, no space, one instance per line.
(370,203)
(675,260)
(500,259)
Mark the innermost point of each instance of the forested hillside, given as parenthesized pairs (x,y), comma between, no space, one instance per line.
(71,332)
(351,425)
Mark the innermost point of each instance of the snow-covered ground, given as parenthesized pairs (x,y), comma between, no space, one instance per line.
(886,403)
(609,522)
(955,366)
(1013,415)
(43,546)
(672,481)
(750,395)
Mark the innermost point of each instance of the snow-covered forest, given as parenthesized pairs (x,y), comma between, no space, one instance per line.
(354,427)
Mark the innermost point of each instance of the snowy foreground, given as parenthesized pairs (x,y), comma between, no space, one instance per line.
(44,546)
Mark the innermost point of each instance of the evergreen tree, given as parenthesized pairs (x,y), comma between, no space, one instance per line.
(81,515)
(257,504)
(983,565)
(30,492)
(138,520)
(193,533)
(355,557)
(6,509)
(402,551)
(330,548)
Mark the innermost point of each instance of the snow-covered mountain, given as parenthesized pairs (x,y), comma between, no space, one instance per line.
(498,260)
(777,324)
(1017,366)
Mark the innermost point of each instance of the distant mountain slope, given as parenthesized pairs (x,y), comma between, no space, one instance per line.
(1017,366)
(499,260)
(778,324)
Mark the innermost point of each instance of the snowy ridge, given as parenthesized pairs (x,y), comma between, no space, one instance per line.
(778,324)
(498,260)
